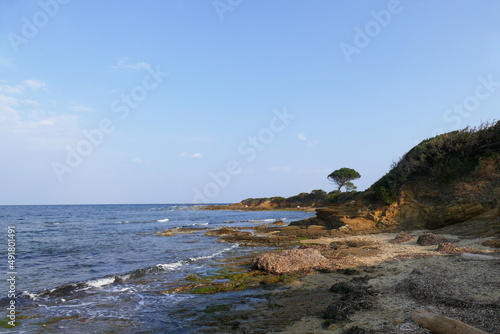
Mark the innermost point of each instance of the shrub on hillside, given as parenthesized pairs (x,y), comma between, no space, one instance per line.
(444,159)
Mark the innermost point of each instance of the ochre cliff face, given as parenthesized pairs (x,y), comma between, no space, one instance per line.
(422,208)
(422,204)
(471,207)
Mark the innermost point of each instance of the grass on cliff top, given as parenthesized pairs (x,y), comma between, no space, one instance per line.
(443,159)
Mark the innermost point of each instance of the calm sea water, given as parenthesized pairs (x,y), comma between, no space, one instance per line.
(100,268)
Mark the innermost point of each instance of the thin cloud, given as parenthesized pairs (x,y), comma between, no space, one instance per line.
(32,103)
(194,155)
(9,89)
(7,63)
(140,161)
(80,107)
(34,85)
(121,63)
(309,142)
(25,124)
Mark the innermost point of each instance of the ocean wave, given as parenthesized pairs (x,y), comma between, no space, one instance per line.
(55,223)
(98,283)
(267,220)
(32,296)
(163,220)
(273,220)
(196,224)
(194,259)
(171,266)
(137,222)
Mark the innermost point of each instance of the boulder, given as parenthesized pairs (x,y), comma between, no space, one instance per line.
(429,239)
(290,261)
(447,247)
(401,238)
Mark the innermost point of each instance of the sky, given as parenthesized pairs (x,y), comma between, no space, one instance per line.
(174,101)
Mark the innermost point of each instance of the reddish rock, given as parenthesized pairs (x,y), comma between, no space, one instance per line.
(447,247)
(290,261)
(429,239)
(401,238)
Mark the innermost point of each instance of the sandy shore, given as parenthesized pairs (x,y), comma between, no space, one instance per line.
(366,284)
(406,277)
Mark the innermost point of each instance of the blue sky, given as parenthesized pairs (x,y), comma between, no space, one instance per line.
(193,101)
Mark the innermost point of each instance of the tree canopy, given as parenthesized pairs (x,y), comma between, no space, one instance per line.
(343,177)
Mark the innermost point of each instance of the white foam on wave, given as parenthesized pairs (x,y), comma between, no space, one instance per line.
(100,282)
(178,264)
(197,224)
(32,296)
(170,266)
(273,220)
(163,220)
(214,254)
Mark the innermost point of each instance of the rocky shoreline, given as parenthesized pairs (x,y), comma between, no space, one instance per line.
(343,275)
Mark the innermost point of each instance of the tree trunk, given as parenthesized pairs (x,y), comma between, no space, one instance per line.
(442,325)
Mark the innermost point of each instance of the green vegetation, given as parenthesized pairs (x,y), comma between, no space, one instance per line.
(337,197)
(230,279)
(443,159)
(343,177)
(317,196)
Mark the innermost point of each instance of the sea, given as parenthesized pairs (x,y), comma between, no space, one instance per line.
(102,268)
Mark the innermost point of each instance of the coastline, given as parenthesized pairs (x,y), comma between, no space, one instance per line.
(388,274)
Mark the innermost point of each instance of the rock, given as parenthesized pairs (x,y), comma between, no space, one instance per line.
(327,218)
(492,243)
(343,288)
(180,230)
(321,248)
(166,233)
(348,271)
(349,299)
(337,245)
(327,214)
(429,239)
(447,247)
(289,261)
(118,279)
(278,223)
(222,232)
(359,243)
(401,238)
